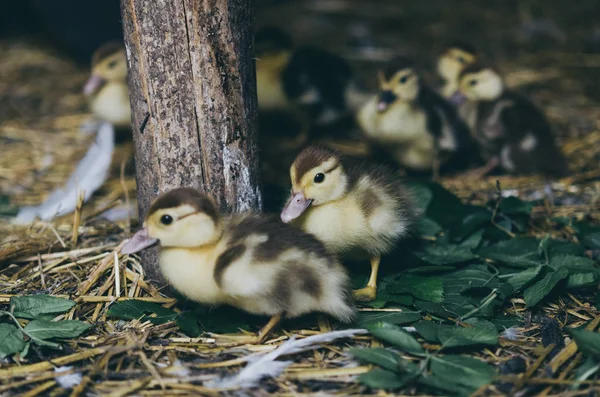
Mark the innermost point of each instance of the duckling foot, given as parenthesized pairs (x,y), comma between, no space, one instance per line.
(367,294)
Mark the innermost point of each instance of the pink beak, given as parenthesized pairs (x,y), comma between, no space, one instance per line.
(138,242)
(382,106)
(458,98)
(295,207)
(93,84)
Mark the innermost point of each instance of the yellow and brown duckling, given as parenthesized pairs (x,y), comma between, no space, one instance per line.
(413,123)
(106,89)
(511,131)
(318,82)
(354,208)
(451,63)
(249,261)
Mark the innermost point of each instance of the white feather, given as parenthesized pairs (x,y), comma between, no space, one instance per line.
(90,174)
(264,365)
(68,380)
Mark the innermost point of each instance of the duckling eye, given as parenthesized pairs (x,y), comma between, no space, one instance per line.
(166,219)
(112,64)
(473,82)
(460,59)
(403,79)
(320,177)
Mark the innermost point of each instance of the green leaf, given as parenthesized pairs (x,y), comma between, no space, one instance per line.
(522,252)
(65,329)
(461,337)
(382,379)
(11,340)
(366,318)
(396,336)
(421,194)
(581,280)
(587,341)
(378,356)
(462,370)
(515,206)
(32,307)
(538,291)
(425,288)
(428,227)
(481,323)
(145,311)
(428,330)
(574,264)
(446,254)
(523,278)
(188,323)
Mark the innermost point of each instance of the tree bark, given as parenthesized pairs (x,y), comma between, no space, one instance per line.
(193,99)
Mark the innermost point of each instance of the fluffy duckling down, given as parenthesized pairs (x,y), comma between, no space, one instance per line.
(355,208)
(106,89)
(451,63)
(412,122)
(511,131)
(249,261)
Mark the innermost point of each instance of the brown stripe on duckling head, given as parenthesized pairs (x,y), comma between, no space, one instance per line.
(475,67)
(225,259)
(185,196)
(106,50)
(311,157)
(463,46)
(396,65)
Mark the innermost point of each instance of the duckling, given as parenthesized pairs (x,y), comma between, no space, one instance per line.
(353,207)
(312,79)
(412,122)
(511,131)
(253,262)
(451,62)
(106,89)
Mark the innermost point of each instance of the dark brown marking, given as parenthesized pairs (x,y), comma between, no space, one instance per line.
(463,46)
(369,202)
(282,291)
(225,259)
(106,50)
(181,196)
(308,280)
(475,67)
(397,65)
(311,157)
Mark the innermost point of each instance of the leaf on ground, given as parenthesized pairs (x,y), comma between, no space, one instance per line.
(11,340)
(378,356)
(428,227)
(425,288)
(461,337)
(32,307)
(474,222)
(446,254)
(397,337)
(462,370)
(523,278)
(392,317)
(421,194)
(428,330)
(587,341)
(515,206)
(188,323)
(538,291)
(520,251)
(145,311)
(574,264)
(481,323)
(46,330)
(580,280)
(382,379)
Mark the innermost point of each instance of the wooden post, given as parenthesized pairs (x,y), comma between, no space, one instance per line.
(193,99)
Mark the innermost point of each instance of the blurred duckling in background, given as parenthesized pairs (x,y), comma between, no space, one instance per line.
(355,208)
(451,63)
(410,121)
(511,131)
(249,261)
(318,82)
(106,89)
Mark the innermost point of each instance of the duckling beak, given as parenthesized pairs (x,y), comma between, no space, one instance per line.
(296,206)
(141,240)
(386,98)
(93,84)
(458,98)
